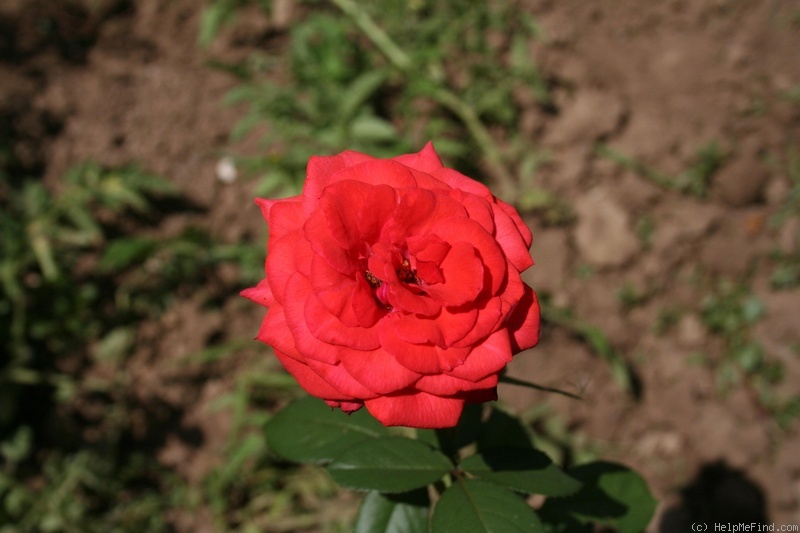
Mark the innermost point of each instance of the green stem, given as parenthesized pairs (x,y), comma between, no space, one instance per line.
(523,383)
(379,38)
(445,97)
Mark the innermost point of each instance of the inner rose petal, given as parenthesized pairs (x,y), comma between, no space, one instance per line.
(462,271)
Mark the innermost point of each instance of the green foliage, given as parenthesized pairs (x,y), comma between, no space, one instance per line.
(477,469)
(693,181)
(611,495)
(326,433)
(475,506)
(218,13)
(459,68)
(730,312)
(73,285)
(520,469)
(404,512)
(786,274)
(331,104)
(389,464)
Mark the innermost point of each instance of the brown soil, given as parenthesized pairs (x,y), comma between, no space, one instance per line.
(655,81)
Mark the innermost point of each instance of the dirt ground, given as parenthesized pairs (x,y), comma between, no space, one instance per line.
(655,81)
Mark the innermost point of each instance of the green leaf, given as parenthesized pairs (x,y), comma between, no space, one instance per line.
(612,494)
(214,16)
(473,506)
(359,92)
(520,469)
(369,128)
(308,431)
(393,513)
(389,464)
(503,430)
(124,252)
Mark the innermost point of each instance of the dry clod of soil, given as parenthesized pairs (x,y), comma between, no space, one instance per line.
(741,182)
(591,115)
(603,235)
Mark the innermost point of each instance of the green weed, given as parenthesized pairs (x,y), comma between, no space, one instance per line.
(731,312)
(693,181)
(74,284)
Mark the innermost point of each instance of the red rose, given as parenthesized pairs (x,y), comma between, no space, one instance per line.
(395,284)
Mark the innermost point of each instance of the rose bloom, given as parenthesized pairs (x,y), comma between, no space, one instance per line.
(395,284)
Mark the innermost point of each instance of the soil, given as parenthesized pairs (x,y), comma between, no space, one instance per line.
(654,81)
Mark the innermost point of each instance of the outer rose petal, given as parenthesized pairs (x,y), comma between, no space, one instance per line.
(260,294)
(282,216)
(444,385)
(319,172)
(418,410)
(347,407)
(378,371)
(488,358)
(426,160)
(523,324)
(310,380)
(511,241)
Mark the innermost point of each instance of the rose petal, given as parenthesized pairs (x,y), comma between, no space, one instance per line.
(318,234)
(426,160)
(377,172)
(455,323)
(420,358)
(494,261)
(457,180)
(487,358)
(347,407)
(512,213)
(416,330)
(282,216)
(418,410)
(285,256)
(524,322)
(311,382)
(462,271)
(418,211)
(429,248)
(478,209)
(511,241)
(260,294)
(490,316)
(329,329)
(356,212)
(378,371)
(274,331)
(307,344)
(445,385)
(340,379)
(319,172)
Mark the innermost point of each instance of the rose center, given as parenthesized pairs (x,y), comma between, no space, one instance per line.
(405,273)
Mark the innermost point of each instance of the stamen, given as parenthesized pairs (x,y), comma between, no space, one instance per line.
(408,274)
(372,280)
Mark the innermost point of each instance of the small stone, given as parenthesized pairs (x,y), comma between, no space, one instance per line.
(226,170)
(603,235)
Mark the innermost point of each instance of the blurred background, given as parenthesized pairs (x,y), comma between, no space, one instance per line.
(653,148)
